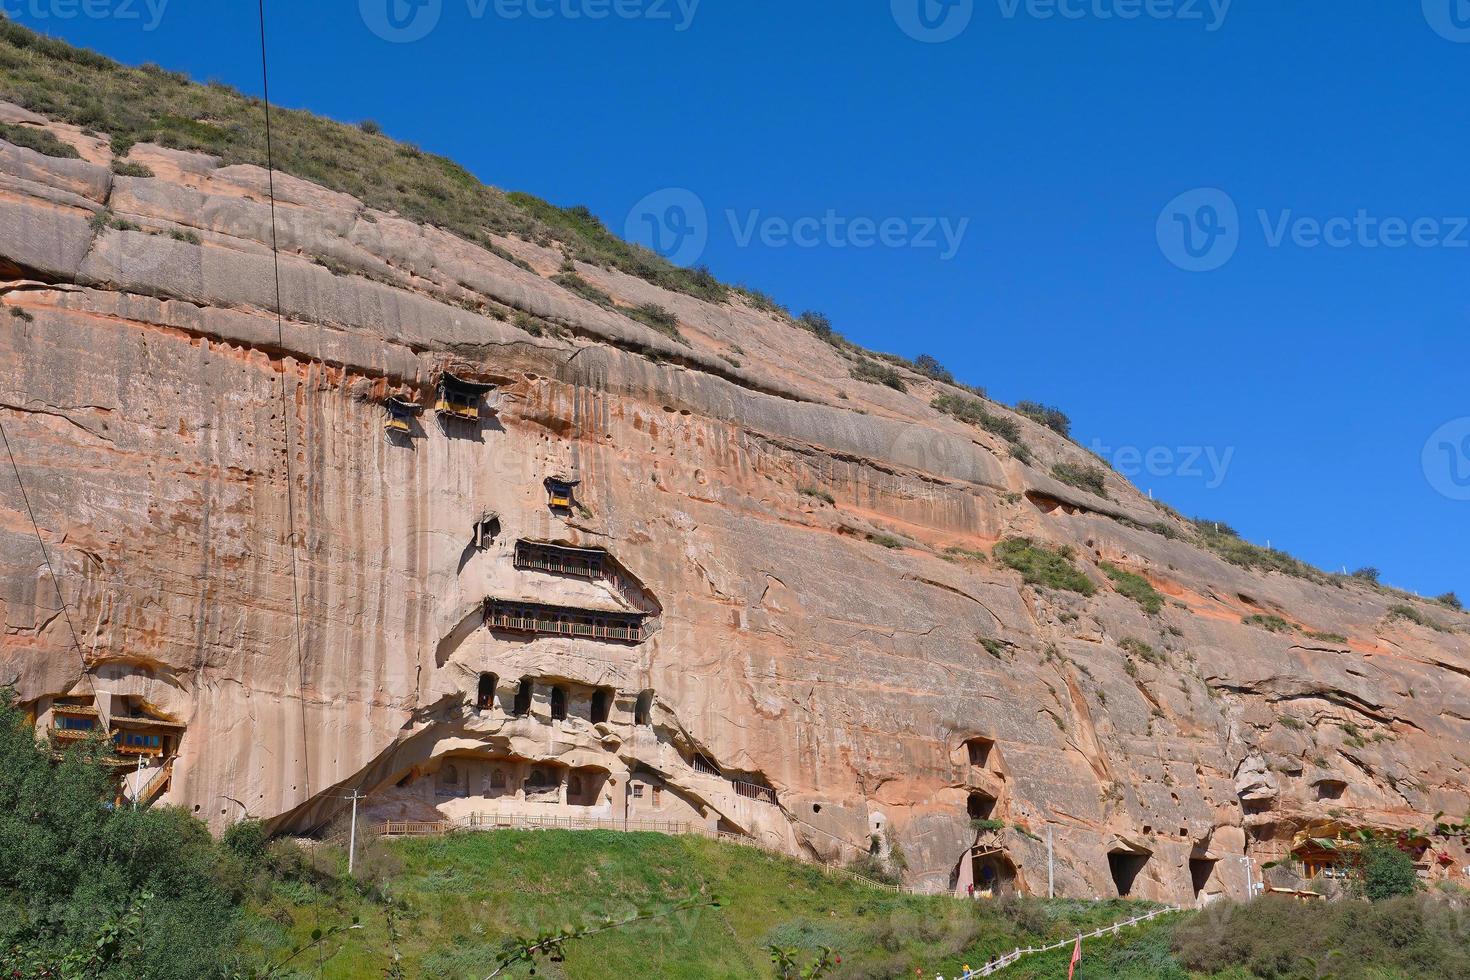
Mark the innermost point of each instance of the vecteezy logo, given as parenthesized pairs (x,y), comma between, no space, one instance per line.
(1449,18)
(401,21)
(1446,459)
(1199,230)
(673,222)
(933,21)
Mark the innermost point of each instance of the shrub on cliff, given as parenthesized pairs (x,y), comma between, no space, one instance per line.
(1053,418)
(1089,478)
(929,367)
(40,140)
(1135,587)
(973,411)
(1040,565)
(878,374)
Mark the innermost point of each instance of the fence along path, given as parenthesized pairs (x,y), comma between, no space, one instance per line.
(1015,956)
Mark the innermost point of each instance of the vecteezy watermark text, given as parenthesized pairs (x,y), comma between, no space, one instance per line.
(937,21)
(147,12)
(675,223)
(1449,18)
(833,230)
(1446,459)
(406,21)
(1200,230)
(1207,463)
(1210,13)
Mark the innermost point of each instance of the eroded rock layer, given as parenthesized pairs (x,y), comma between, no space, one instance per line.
(762,602)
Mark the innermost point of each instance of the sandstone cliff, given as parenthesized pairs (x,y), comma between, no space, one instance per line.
(824,656)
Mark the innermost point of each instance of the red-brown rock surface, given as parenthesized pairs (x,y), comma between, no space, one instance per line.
(143,382)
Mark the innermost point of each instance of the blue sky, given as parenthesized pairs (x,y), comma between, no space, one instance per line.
(1311,394)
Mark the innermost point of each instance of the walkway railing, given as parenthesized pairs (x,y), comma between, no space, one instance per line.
(1015,956)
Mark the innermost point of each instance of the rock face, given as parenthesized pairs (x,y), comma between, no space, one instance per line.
(714,631)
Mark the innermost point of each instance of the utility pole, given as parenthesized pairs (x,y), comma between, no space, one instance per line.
(1051,884)
(1250,887)
(352,834)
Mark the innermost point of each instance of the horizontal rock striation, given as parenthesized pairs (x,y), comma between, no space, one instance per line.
(829,662)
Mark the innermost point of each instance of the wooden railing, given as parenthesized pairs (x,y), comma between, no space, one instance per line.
(156,782)
(558,561)
(754,791)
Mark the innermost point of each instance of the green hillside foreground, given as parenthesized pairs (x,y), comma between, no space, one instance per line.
(90,890)
(456,899)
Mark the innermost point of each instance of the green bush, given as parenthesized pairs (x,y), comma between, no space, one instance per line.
(1409,613)
(127,168)
(1135,587)
(1367,574)
(1139,648)
(930,368)
(878,374)
(1040,565)
(1053,418)
(660,319)
(1274,624)
(41,140)
(1206,526)
(1386,871)
(1226,543)
(572,282)
(973,411)
(818,324)
(1090,478)
(1451,600)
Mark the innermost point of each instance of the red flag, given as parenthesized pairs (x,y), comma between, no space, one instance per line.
(1076,958)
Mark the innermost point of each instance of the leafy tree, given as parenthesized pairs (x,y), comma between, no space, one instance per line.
(1386,871)
(1368,574)
(1451,600)
(88,889)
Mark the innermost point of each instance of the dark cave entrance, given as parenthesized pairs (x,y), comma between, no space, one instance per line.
(1125,868)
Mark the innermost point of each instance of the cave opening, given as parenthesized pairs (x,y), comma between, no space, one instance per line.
(1200,870)
(523,697)
(601,705)
(1125,867)
(485,695)
(980,805)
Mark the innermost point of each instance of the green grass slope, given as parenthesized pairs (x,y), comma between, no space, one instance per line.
(456,900)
